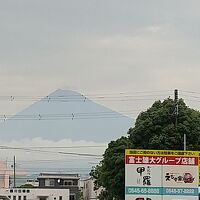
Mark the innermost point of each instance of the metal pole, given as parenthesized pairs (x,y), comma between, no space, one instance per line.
(184,141)
(176,117)
(14,173)
(176,106)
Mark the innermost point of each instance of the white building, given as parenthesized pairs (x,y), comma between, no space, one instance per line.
(60,181)
(88,190)
(34,194)
(32,182)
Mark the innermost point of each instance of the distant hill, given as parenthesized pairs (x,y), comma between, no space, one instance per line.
(66,114)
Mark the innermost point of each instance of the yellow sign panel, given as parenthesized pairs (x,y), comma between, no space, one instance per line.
(162,152)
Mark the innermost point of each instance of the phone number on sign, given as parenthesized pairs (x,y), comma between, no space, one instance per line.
(143,191)
(179,191)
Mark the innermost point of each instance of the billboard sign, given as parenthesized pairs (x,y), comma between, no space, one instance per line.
(161,174)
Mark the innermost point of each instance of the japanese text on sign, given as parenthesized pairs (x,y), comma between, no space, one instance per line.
(164,160)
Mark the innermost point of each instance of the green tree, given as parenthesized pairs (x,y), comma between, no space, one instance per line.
(80,195)
(27,186)
(155,128)
(110,172)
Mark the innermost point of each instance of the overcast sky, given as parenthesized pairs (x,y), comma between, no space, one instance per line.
(97,46)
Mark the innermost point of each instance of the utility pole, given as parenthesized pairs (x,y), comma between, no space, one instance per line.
(176,117)
(14,166)
(176,106)
(184,141)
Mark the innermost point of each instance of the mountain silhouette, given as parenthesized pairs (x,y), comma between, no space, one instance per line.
(66,114)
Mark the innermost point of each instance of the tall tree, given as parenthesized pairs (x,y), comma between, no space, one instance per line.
(110,172)
(162,126)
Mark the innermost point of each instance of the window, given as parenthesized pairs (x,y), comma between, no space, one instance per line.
(28,191)
(19,198)
(75,183)
(9,197)
(19,191)
(60,197)
(43,198)
(49,182)
(23,191)
(24,197)
(11,191)
(14,197)
(72,197)
(68,182)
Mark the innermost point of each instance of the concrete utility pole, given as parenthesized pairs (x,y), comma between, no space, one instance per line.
(14,166)
(176,116)
(176,106)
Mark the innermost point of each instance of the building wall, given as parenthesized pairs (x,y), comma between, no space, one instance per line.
(33,182)
(59,181)
(6,176)
(88,190)
(35,194)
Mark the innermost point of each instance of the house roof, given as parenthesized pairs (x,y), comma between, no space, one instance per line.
(57,175)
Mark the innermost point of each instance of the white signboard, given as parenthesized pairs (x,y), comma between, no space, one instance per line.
(156,174)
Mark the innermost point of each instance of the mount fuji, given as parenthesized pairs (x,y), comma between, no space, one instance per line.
(66,114)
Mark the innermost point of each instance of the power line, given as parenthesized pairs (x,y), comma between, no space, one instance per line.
(78,97)
(190,92)
(70,116)
(68,147)
(194,100)
(54,152)
(35,169)
(62,118)
(106,113)
(192,96)
(28,162)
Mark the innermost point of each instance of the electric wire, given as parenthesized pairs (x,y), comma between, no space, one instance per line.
(121,96)
(54,152)
(70,116)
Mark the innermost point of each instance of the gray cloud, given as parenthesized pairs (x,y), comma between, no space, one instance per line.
(28,159)
(106,45)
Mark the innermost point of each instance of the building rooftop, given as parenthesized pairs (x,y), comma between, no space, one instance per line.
(59,175)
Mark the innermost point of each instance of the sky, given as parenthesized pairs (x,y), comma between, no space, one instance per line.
(37,155)
(94,46)
(99,47)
